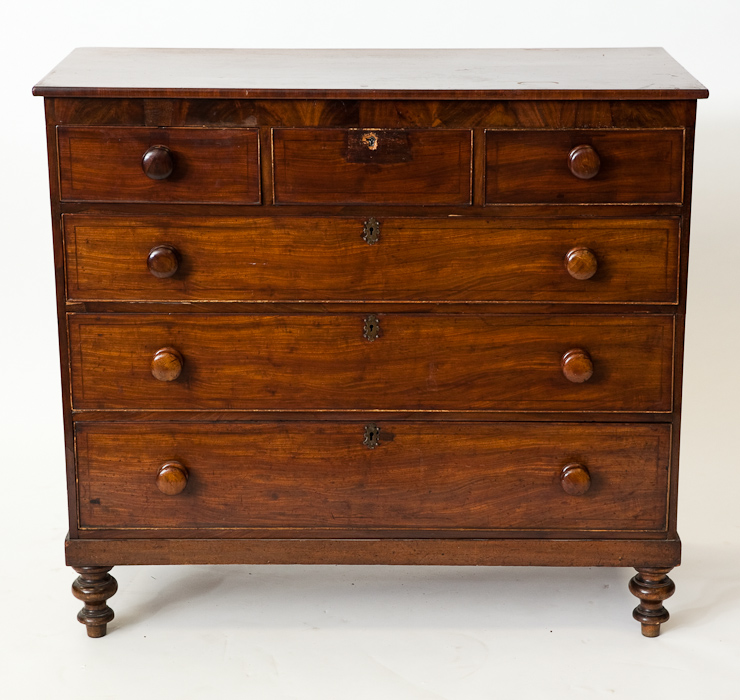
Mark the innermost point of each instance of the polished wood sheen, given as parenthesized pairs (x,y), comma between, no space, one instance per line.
(371,307)
(638,166)
(418,362)
(421,477)
(104,164)
(93,587)
(584,162)
(163,261)
(575,479)
(157,163)
(421,260)
(172,478)
(652,586)
(166,364)
(581,263)
(556,74)
(578,367)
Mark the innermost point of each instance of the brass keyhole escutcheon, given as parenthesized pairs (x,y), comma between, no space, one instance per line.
(370,139)
(372,327)
(371,231)
(372,436)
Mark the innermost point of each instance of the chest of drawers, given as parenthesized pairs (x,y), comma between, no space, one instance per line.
(392,307)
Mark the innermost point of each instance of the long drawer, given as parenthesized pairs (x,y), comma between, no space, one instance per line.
(356,361)
(359,259)
(327,477)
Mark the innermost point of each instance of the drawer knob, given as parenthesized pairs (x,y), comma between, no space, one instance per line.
(157,163)
(581,263)
(166,364)
(577,366)
(172,478)
(163,261)
(575,479)
(584,162)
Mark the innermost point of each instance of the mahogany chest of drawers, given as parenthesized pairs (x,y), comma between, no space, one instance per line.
(394,307)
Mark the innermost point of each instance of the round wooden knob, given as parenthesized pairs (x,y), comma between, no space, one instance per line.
(163,261)
(581,263)
(575,479)
(166,364)
(157,163)
(172,478)
(577,366)
(584,162)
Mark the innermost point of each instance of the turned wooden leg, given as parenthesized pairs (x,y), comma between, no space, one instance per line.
(93,587)
(652,587)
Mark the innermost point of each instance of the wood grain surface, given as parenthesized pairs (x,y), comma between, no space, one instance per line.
(372,166)
(635,167)
(323,259)
(420,477)
(418,362)
(104,164)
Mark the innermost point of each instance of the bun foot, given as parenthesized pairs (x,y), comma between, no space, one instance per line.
(652,587)
(93,587)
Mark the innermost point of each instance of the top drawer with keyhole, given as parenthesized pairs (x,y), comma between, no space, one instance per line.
(372,166)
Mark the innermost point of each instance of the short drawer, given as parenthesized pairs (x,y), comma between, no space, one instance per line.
(585,167)
(142,164)
(372,166)
(438,477)
(359,259)
(357,361)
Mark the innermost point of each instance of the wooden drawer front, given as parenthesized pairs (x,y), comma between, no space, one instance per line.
(104,164)
(372,166)
(640,166)
(421,476)
(325,362)
(327,259)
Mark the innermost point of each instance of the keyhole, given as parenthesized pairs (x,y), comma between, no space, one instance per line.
(370,140)
(372,436)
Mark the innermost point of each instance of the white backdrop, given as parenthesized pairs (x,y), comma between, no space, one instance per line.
(358,633)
